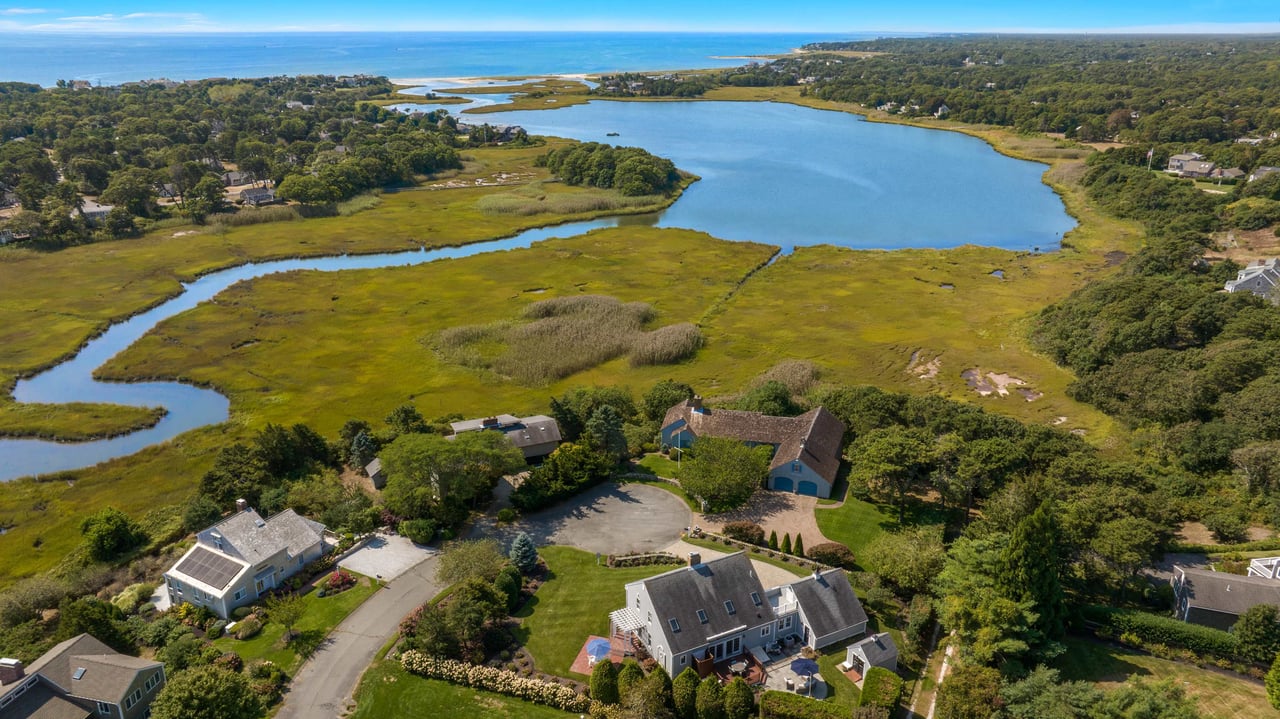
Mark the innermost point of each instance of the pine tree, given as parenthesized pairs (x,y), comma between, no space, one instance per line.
(604,682)
(523,553)
(629,677)
(710,699)
(1028,570)
(773,540)
(799,548)
(363,450)
(684,694)
(786,543)
(739,700)
(1273,683)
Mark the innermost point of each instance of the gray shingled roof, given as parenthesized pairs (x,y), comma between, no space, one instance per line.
(814,437)
(534,430)
(247,536)
(828,602)
(41,702)
(680,593)
(879,649)
(107,675)
(1228,593)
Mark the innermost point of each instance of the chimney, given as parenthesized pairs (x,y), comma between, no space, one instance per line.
(11,670)
(695,558)
(696,403)
(489,422)
(242,505)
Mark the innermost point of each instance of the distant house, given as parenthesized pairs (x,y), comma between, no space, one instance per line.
(1261,172)
(296,105)
(257,196)
(232,178)
(374,470)
(942,111)
(93,212)
(167,191)
(711,612)
(1227,173)
(242,558)
(1177,163)
(535,436)
(1268,567)
(78,679)
(1217,599)
(1260,278)
(877,650)
(807,448)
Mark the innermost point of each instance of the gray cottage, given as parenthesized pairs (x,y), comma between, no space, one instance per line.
(1217,599)
(807,448)
(257,196)
(711,612)
(1261,278)
(877,650)
(242,558)
(535,436)
(78,679)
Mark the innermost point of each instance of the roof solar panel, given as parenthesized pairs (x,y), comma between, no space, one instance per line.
(212,569)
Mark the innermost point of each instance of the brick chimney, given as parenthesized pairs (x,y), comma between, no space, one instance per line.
(11,670)
(242,505)
(695,558)
(696,403)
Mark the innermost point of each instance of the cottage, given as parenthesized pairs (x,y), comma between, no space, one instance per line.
(536,436)
(77,679)
(242,558)
(1227,173)
(877,650)
(807,448)
(257,196)
(93,212)
(714,611)
(233,178)
(1260,278)
(1261,172)
(942,111)
(374,470)
(1217,599)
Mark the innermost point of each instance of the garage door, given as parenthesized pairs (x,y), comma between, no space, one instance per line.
(808,488)
(782,484)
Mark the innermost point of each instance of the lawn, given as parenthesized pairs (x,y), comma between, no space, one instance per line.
(322,615)
(659,465)
(854,523)
(1221,695)
(389,692)
(756,555)
(840,690)
(574,603)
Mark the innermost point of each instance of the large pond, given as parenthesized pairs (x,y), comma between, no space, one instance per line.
(773,173)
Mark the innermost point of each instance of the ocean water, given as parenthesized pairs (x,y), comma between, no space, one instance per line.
(44,58)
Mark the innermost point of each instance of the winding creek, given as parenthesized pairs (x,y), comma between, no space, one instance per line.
(773,173)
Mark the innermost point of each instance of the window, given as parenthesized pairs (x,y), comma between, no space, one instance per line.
(675,626)
(684,659)
(152,681)
(301,560)
(795,467)
(132,699)
(702,616)
(104,708)
(764,631)
(728,606)
(755,599)
(240,593)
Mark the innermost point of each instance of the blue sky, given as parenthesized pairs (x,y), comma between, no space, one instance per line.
(825,16)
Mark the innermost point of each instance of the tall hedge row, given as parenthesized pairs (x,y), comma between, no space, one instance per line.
(1153,628)
(881,688)
(782,705)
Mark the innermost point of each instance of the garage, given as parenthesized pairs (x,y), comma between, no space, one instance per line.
(809,489)
(783,484)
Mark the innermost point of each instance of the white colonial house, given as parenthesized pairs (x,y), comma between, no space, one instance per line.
(242,558)
(706,613)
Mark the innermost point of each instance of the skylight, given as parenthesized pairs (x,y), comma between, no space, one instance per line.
(702,616)
(755,598)
(79,673)
(728,606)
(675,626)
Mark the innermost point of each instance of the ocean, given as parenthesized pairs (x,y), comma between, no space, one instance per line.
(45,58)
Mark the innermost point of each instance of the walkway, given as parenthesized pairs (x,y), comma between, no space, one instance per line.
(324,686)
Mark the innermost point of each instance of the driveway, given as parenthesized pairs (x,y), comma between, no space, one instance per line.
(780,512)
(386,557)
(324,686)
(609,519)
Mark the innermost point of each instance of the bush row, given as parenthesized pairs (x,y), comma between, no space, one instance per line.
(782,705)
(496,680)
(642,560)
(1156,629)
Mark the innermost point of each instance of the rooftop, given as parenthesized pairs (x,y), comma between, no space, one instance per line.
(246,535)
(1228,593)
(814,437)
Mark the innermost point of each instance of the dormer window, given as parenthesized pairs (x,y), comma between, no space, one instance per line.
(675,626)
(702,616)
(728,606)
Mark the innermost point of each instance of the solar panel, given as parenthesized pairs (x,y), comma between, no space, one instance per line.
(212,569)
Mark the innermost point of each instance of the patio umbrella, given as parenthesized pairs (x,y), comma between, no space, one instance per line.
(808,668)
(599,648)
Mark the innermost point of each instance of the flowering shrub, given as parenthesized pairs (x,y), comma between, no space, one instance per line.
(339,581)
(496,680)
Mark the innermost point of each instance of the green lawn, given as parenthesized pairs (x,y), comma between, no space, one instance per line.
(323,614)
(1221,695)
(660,466)
(389,692)
(840,690)
(756,555)
(854,523)
(574,602)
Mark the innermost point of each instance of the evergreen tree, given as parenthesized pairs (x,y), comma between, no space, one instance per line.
(1273,683)
(799,548)
(773,540)
(569,421)
(630,677)
(658,685)
(1258,633)
(1029,567)
(786,543)
(710,699)
(604,430)
(684,693)
(739,700)
(523,553)
(604,682)
(363,450)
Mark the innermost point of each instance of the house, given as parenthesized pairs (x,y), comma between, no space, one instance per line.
(78,679)
(807,448)
(1177,163)
(242,558)
(258,196)
(93,212)
(232,178)
(1217,599)
(941,111)
(877,650)
(535,436)
(1227,173)
(1260,278)
(167,191)
(296,105)
(1261,172)
(1268,567)
(710,612)
(374,470)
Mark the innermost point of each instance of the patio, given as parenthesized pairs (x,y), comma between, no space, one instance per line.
(780,676)
(590,654)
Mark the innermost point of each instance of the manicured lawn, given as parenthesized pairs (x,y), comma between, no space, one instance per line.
(1221,695)
(574,602)
(660,466)
(854,523)
(840,690)
(323,614)
(389,692)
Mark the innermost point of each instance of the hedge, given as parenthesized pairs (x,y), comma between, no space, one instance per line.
(1258,546)
(1156,629)
(500,681)
(784,705)
(881,688)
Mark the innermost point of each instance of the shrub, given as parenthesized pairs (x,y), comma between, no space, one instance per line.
(1155,629)
(230,661)
(340,581)
(881,688)
(241,612)
(783,705)
(749,532)
(248,628)
(604,682)
(1227,526)
(496,680)
(215,628)
(133,595)
(419,531)
(506,515)
(834,554)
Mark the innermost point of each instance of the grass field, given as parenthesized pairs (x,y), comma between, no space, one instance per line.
(389,692)
(539,94)
(573,604)
(75,421)
(1220,695)
(323,614)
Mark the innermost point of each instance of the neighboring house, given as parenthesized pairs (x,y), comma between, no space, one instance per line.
(257,196)
(242,558)
(297,105)
(236,177)
(806,454)
(1268,567)
(1261,172)
(535,436)
(167,191)
(941,111)
(374,470)
(1227,173)
(1217,599)
(877,650)
(1178,163)
(78,679)
(711,612)
(1260,278)
(93,212)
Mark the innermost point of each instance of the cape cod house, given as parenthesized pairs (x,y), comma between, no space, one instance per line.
(705,613)
(242,558)
(1261,278)
(78,679)
(535,436)
(806,455)
(1217,599)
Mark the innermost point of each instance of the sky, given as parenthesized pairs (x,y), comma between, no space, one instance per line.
(825,16)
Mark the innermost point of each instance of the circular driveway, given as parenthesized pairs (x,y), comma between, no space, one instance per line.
(608,519)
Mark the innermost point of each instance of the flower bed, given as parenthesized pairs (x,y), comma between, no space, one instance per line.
(339,581)
(496,680)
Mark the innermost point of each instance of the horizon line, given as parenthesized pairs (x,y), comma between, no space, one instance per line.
(1206,29)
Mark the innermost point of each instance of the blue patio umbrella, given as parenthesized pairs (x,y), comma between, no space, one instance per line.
(807,667)
(599,648)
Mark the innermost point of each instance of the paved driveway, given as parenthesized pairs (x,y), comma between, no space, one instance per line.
(386,557)
(609,519)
